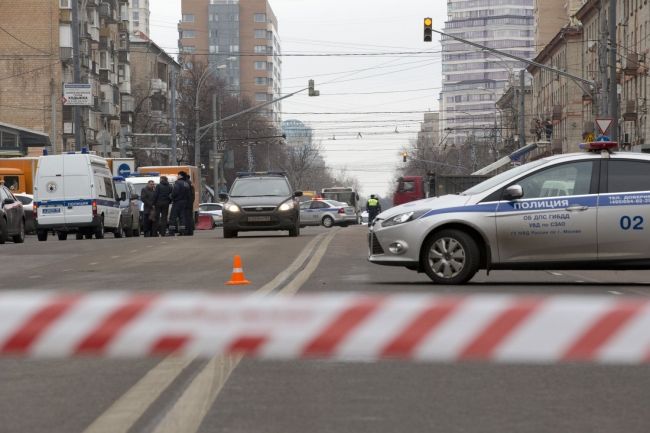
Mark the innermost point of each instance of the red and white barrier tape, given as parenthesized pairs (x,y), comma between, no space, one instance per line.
(497,328)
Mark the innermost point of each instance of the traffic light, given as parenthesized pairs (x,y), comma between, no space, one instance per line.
(428,32)
(312,92)
(404,155)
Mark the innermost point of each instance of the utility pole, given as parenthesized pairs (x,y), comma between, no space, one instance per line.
(613,82)
(174,122)
(53,119)
(77,71)
(215,146)
(602,61)
(522,108)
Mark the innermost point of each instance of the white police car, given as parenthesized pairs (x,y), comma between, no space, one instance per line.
(573,211)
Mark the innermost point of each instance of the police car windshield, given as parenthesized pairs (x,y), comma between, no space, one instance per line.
(259,186)
(499,178)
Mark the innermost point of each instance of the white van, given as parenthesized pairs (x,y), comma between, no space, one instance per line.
(75,193)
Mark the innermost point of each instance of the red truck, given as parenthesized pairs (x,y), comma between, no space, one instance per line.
(411,188)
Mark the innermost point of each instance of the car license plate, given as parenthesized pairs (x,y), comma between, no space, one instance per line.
(256,219)
(51,210)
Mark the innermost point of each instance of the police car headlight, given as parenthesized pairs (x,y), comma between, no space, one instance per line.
(231,207)
(287,205)
(403,218)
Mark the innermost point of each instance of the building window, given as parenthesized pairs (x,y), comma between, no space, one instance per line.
(234,48)
(260,66)
(235,17)
(188,18)
(260,81)
(213,17)
(260,49)
(189,49)
(214,49)
(260,34)
(189,34)
(136,16)
(65,4)
(260,18)
(260,97)
(135,4)
(213,33)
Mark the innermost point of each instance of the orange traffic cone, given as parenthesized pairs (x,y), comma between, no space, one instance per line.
(237,278)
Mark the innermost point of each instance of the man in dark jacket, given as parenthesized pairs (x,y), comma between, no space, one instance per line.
(189,208)
(163,200)
(148,197)
(180,197)
(373,208)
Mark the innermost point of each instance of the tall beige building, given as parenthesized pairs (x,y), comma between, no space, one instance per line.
(242,38)
(550,17)
(139,14)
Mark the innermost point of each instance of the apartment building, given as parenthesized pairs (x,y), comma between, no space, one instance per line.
(550,17)
(474,79)
(242,38)
(558,100)
(139,14)
(151,77)
(429,134)
(36,58)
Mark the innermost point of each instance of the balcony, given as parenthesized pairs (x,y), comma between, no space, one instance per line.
(65,15)
(108,13)
(65,53)
(125,87)
(629,111)
(631,63)
(128,104)
(123,57)
(109,109)
(158,86)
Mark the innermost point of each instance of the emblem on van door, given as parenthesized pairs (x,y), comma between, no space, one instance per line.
(51,186)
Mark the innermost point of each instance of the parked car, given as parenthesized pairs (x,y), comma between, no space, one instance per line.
(12,217)
(130,207)
(570,211)
(327,213)
(215,210)
(27,201)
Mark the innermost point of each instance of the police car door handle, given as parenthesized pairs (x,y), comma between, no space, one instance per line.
(577,208)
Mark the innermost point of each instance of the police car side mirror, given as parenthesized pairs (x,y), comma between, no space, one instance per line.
(297,194)
(513,192)
(8,201)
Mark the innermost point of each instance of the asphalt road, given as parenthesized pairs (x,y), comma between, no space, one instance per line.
(232,395)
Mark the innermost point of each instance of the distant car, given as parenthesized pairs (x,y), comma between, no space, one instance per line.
(261,201)
(327,213)
(130,207)
(12,217)
(27,201)
(215,210)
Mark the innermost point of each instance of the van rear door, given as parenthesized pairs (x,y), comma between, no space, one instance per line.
(78,180)
(50,194)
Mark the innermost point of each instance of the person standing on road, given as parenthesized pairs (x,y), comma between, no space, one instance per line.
(189,208)
(180,197)
(373,208)
(148,198)
(163,200)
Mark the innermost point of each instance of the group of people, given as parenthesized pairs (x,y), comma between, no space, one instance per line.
(156,200)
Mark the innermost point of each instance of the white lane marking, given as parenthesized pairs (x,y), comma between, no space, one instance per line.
(68,270)
(33,277)
(125,412)
(614,292)
(557,274)
(127,409)
(192,407)
(134,251)
(579,281)
(93,263)
(115,257)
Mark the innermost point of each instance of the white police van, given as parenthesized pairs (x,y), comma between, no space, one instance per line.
(75,193)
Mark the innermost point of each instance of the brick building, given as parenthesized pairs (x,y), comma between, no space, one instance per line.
(36,59)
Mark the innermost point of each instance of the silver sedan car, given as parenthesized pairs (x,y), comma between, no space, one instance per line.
(327,213)
(572,211)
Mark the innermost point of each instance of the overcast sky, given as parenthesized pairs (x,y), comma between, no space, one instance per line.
(387,91)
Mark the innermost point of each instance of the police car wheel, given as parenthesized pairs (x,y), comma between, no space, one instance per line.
(4,231)
(19,238)
(328,221)
(451,257)
(99,231)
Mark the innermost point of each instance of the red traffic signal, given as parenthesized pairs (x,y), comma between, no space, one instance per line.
(428,31)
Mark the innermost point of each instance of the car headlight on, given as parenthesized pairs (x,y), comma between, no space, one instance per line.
(231,207)
(403,218)
(287,205)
